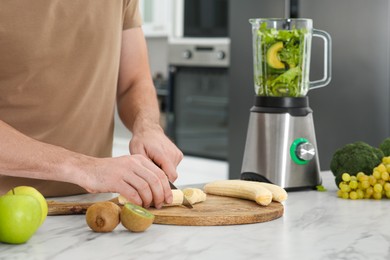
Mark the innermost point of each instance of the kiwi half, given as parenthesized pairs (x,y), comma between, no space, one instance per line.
(103,216)
(136,218)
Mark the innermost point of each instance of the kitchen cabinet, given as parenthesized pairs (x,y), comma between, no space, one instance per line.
(156,16)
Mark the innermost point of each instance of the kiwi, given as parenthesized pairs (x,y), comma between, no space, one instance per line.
(136,218)
(103,216)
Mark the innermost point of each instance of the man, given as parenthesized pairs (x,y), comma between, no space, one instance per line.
(63,67)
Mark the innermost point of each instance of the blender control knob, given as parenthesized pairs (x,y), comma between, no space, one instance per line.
(221,55)
(305,151)
(187,54)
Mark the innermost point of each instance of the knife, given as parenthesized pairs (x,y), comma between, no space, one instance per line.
(186,203)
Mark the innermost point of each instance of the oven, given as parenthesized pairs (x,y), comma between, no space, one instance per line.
(200,18)
(197,104)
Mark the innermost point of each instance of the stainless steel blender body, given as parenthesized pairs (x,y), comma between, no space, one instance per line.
(281,147)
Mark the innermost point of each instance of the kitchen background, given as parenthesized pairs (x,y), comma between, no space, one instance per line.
(206,90)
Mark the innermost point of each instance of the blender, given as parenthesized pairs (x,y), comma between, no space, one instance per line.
(281,144)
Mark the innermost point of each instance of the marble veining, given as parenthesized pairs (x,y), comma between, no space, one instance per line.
(315,225)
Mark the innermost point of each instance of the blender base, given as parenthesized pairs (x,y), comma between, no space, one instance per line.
(251,176)
(281,146)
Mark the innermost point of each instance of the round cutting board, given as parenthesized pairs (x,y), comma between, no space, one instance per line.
(218,210)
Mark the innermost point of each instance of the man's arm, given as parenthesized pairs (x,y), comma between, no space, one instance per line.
(138,106)
(135,176)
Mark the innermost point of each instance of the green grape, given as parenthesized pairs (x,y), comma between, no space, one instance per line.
(346,177)
(339,193)
(378,188)
(388,167)
(377,195)
(387,193)
(367,196)
(381,168)
(371,180)
(365,184)
(353,185)
(360,193)
(345,195)
(345,188)
(369,191)
(360,175)
(353,178)
(386,160)
(385,176)
(364,178)
(377,174)
(386,187)
(353,195)
(381,182)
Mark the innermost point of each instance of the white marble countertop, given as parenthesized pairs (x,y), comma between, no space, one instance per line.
(315,225)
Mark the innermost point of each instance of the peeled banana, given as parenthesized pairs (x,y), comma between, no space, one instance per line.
(194,195)
(260,192)
(278,193)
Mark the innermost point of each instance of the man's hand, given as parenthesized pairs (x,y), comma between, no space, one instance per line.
(135,177)
(154,144)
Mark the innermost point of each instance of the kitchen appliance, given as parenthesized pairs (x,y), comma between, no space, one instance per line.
(199,61)
(281,144)
(200,18)
(197,116)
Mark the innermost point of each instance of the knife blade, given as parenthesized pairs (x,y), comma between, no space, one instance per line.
(186,203)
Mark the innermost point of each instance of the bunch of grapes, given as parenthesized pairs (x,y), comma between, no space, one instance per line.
(362,186)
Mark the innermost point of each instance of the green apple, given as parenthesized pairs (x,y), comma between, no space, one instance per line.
(31,191)
(20,217)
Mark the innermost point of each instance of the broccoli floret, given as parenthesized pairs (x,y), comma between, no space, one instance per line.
(353,158)
(385,147)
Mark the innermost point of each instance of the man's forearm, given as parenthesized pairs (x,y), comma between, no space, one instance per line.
(22,156)
(138,107)
(135,177)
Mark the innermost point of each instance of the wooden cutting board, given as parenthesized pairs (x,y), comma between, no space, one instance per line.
(215,211)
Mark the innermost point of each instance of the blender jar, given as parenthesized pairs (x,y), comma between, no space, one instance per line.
(281,56)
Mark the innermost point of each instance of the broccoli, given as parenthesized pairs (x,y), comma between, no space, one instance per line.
(385,146)
(353,158)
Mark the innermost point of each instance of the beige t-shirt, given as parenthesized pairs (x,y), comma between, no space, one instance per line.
(59,64)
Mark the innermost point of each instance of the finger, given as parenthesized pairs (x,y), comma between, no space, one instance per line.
(130,193)
(141,186)
(158,183)
(166,188)
(162,176)
(136,148)
(167,165)
(170,171)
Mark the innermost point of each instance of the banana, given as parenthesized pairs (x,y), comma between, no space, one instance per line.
(194,195)
(278,193)
(240,189)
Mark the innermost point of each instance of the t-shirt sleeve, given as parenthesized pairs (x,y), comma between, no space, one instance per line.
(132,16)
